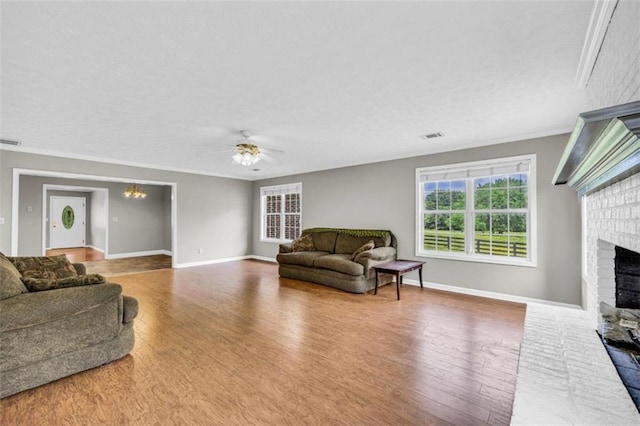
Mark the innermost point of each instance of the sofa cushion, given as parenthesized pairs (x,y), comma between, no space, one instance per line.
(302,258)
(47,267)
(347,244)
(10,282)
(367,246)
(304,243)
(43,284)
(340,263)
(324,241)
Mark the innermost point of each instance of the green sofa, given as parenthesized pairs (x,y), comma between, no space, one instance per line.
(49,334)
(332,260)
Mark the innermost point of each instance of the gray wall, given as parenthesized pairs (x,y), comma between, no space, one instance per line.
(382,196)
(135,225)
(212,213)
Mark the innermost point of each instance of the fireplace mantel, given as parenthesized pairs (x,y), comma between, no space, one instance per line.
(604,148)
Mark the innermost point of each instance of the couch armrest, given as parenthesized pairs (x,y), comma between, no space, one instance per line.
(379,253)
(29,309)
(285,248)
(80,268)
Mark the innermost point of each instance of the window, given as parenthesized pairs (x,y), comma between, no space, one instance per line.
(481,211)
(281,212)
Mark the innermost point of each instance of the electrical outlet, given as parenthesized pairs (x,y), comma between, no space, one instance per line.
(200,250)
(1,220)
(29,209)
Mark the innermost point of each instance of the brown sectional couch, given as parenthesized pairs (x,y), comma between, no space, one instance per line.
(331,262)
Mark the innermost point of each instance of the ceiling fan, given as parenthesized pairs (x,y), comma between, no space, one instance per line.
(246,151)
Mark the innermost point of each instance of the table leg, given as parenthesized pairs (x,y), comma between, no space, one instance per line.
(398,284)
(420,274)
(376,290)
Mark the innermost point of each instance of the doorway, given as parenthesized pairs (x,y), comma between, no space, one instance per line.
(67,224)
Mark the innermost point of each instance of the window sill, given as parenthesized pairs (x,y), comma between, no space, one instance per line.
(480,259)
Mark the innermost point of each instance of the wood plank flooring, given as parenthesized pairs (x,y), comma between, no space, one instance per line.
(78,254)
(233,343)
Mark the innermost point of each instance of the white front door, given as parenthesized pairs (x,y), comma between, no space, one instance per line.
(66,222)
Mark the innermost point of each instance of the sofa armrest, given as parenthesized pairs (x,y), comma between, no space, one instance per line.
(29,309)
(285,248)
(379,253)
(80,268)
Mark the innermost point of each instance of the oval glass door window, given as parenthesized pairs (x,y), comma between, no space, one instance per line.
(68,217)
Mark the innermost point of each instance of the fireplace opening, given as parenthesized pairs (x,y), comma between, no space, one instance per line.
(627,273)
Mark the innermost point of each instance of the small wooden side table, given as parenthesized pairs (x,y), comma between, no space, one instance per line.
(398,268)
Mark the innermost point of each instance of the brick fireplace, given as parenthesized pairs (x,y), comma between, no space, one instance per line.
(612,218)
(602,163)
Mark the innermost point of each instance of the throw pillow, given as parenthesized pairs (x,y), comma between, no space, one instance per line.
(10,282)
(44,267)
(303,243)
(43,284)
(367,246)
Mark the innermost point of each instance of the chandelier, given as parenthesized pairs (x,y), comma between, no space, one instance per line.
(247,154)
(134,192)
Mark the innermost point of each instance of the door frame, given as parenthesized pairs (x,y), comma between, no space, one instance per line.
(72,188)
(15,201)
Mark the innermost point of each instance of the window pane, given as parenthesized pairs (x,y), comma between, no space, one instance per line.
(444,195)
(442,226)
(430,231)
(498,198)
(518,179)
(482,238)
(273,203)
(518,198)
(482,199)
(292,203)
(272,226)
(430,196)
(498,181)
(457,232)
(458,195)
(499,235)
(292,226)
(518,235)
(482,183)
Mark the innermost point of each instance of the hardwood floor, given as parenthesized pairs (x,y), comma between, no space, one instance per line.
(233,343)
(96,263)
(78,254)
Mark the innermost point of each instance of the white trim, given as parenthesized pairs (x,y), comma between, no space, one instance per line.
(287,188)
(95,248)
(210,262)
(489,294)
(15,199)
(263,258)
(601,15)
(137,254)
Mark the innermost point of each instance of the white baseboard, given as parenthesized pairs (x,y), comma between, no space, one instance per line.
(211,262)
(489,294)
(263,258)
(95,248)
(137,254)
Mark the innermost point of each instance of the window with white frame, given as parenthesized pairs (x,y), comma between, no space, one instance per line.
(481,211)
(281,212)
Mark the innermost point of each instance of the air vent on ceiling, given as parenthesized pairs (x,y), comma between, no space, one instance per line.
(10,142)
(432,135)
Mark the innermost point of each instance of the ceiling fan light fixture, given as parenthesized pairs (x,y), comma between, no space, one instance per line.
(247,154)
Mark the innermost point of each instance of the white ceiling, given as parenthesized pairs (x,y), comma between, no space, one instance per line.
(171,84)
